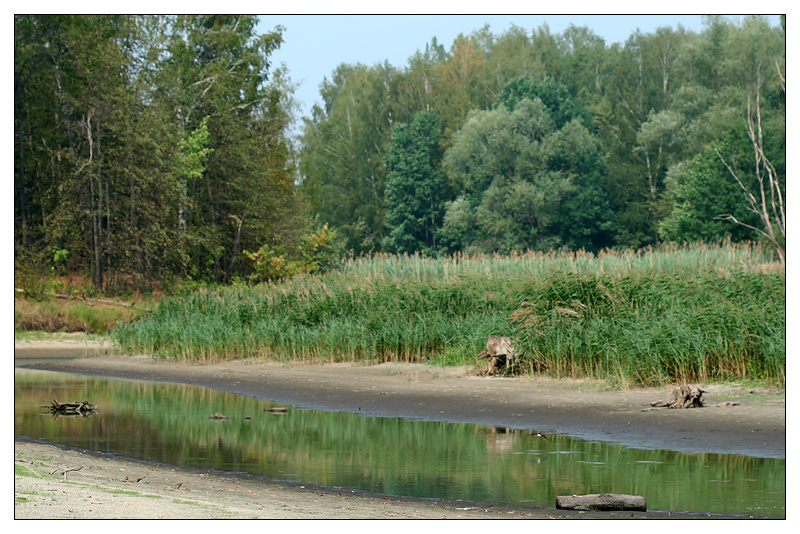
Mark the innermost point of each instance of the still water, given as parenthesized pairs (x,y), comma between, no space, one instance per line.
(170,423)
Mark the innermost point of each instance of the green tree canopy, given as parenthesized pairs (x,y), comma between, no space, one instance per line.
(342,157)
(525,182)
(562,107)
(415,187)
(151,146)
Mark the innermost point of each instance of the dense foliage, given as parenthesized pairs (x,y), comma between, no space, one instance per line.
(415,187)
(151,149)
(558,140)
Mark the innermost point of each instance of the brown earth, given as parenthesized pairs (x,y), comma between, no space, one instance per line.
(577,408)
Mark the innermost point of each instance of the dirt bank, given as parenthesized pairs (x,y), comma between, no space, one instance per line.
(572,407)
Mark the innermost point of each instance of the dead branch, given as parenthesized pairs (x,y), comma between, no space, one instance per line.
(767,202)
(68,470)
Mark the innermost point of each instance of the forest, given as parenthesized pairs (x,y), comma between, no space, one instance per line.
(156,150)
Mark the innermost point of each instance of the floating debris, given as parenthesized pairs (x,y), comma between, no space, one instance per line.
(71,409)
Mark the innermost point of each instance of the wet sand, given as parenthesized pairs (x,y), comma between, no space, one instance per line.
(577,408)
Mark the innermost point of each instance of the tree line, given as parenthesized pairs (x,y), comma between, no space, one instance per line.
(535,140)
(149,148)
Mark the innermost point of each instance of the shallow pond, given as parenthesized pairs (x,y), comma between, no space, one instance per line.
(171,424)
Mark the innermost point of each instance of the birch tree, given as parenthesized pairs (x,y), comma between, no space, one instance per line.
(765,198)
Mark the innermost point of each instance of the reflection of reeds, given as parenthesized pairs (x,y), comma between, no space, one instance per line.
(690,313)
(169,423)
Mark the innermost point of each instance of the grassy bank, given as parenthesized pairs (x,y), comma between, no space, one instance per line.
(681,313)
(47,302)
(58,315)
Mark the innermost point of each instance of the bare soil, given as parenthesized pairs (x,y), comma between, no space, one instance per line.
(107,486)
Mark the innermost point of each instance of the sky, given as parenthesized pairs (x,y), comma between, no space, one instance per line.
(314,45)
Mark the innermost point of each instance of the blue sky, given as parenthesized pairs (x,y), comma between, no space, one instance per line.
(315,44)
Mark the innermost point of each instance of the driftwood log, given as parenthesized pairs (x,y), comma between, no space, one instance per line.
(683,396)
(602,502)
(83,408)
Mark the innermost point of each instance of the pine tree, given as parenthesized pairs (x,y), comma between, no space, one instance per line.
(415,188)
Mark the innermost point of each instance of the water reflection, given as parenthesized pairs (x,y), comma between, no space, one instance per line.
(173,424)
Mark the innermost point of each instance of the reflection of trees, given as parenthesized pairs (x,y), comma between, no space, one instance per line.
(170,424)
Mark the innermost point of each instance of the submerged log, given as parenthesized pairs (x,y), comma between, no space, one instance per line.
(602,502)
(683,396)
(71,408)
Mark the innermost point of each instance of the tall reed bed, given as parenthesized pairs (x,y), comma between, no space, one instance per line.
(667,257)
(695,312)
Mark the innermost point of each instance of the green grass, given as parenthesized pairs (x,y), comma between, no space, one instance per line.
(130,492)
(21,470)
(691,313)
(124,492)
(68,316)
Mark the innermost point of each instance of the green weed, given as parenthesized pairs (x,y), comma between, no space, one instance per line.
(21,470)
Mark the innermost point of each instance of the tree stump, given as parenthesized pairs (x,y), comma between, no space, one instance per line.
(502,353)
(602,502)
(683,396)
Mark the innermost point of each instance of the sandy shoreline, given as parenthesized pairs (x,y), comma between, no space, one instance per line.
(756,427)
